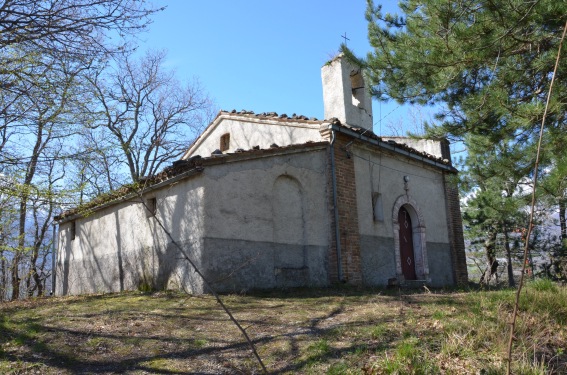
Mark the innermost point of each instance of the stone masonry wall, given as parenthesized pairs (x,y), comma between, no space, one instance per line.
(455,224)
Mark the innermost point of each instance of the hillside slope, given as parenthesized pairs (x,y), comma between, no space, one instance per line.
(334,331)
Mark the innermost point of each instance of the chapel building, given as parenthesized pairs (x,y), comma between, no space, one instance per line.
(276,201)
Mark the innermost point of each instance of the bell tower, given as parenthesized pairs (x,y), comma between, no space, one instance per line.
(345,94)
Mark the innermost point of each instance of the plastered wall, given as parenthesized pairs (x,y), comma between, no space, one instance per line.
(383,173)
(122,248)
(271,227)
(246,133)
(258,223)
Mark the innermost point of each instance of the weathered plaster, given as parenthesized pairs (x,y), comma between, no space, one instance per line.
(240,265)
(345,95)
(247,212)
(378,172)
(439,148)
(276,239)
(119,247)
(247,132)
(378,259)
(440,270)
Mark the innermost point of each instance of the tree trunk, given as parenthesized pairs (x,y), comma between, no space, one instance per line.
(563,219)
(3,277)
(33,275)
(35,255)
(490,248)
(38,283)
(30,172)
(18,255)
(511,282)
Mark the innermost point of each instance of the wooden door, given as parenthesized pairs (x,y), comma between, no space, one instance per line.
(406,245)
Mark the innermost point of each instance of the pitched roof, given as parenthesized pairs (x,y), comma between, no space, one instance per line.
(300,119)
(370,137)
(250,116)
(195,165)
(271,115)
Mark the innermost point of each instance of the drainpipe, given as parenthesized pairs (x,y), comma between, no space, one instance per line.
(53,258)
(336,208)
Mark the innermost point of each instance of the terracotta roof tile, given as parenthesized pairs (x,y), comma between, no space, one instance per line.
(197,162)
(270,115)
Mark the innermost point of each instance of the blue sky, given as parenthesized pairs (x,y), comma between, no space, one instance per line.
(264,55)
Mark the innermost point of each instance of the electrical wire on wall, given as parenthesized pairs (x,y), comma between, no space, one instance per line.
(377,208)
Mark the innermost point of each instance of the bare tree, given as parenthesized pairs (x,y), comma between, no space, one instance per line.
(95,165)
(79,30)
(45,48)
(42,204)
(66,27)
(8,232)
(148,113)
(48,121)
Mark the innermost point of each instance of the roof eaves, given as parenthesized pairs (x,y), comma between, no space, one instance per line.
(257,152)
(272,116)
(398,148)
(269,117)
(125,193)
(180,170)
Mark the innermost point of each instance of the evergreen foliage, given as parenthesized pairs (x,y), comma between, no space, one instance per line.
(486,66)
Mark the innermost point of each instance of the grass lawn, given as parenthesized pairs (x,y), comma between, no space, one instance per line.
(305,331)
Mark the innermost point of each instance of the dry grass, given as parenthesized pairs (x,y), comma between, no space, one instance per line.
(334,331)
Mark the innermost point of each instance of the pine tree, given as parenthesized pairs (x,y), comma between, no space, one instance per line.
(487,63)
(494,179)
(486,66)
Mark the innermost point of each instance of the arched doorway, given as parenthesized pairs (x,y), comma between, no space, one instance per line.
(406,245)
(406,211)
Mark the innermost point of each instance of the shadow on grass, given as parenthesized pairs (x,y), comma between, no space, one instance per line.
(311,341)
(42,352)
(344,290)
(36,344)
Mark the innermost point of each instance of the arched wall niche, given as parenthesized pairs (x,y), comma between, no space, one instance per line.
(288,210)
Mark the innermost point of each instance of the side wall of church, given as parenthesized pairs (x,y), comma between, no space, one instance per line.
(380,182)
(253,223)
(122,247)
(250,132)
(267,222)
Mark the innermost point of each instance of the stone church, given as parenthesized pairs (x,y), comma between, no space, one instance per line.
(276,201)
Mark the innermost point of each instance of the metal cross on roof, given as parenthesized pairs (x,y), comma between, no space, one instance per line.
(345,38)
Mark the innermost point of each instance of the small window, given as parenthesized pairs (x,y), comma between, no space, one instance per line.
(377,207)
(151,207)
(225,142)
(73,230)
